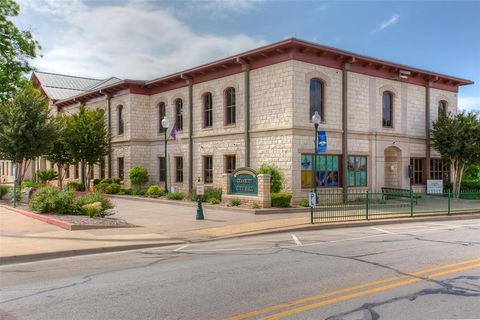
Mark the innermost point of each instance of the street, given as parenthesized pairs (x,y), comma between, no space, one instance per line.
(419,270)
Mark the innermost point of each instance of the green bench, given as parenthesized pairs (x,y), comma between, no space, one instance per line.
(389,193)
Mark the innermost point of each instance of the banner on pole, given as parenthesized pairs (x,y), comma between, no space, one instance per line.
(321,141)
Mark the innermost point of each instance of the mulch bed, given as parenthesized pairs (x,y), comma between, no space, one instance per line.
(97,221)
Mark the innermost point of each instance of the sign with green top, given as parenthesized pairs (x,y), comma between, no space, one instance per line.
(244,181)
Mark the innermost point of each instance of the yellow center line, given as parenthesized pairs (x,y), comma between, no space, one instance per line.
(333,293)
(362,293)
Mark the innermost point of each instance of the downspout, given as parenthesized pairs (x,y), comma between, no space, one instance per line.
(246,102)
(190,134)
(427,128)
(109,123)
(346,67)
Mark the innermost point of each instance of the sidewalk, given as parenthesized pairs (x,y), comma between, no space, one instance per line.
(26,239)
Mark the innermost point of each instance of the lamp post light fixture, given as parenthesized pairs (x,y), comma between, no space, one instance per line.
(316,121)
(165,125)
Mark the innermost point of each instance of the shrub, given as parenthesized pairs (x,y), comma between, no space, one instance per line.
(31,184)
(113,188)
(470,184)
(303,203)
(4,190)
(49,199)
(276,177)
(213,201)
(213,193)
(116,180)
(107,181)
(138,175)
(102,186)
(126,191)
(92,209)
(138,192)
(93,197)
(281,200)
(96,181)
(155,191)
(175,196)
(47,175)
(235,202)
(75,186)
(255,206)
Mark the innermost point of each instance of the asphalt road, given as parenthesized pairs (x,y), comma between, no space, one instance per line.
(402,271)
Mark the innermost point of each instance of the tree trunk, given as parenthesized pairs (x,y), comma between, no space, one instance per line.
(60,177)
(83,174)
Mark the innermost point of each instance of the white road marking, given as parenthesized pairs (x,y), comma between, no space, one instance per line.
(296,240)
(180,248)
(383,230)
(443,225)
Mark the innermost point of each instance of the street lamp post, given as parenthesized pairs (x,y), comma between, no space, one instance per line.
(165,125)
(316,121)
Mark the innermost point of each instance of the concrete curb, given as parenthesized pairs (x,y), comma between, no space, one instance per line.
(80,252)
(56,222)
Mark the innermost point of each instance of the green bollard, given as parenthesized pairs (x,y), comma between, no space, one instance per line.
(199,208)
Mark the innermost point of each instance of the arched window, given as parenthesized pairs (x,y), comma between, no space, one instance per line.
(442,106)
(161,115)
(207,110)
(179,114)
(387,103)
(230,117)
(120,119)
(316,97)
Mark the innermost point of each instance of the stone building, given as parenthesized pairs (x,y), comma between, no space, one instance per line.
(255,108)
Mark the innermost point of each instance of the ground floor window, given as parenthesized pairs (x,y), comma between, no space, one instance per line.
(230,164)
(67,172)
(208,169)
(418,174)
(357,171)
(77,172)
(162,164)
(121,168)
(102,168)
(178,169)
(327,171)
(439,170)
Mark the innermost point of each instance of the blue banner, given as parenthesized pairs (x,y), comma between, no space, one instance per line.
(321,141)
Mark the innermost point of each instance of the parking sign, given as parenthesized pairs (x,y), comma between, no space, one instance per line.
(312,199)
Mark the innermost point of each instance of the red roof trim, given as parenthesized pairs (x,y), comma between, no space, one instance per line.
(275,53)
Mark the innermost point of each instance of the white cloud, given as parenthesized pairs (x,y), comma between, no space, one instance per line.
(138,41)
(469,104)
(387,23)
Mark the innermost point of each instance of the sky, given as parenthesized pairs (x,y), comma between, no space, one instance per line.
(140,39)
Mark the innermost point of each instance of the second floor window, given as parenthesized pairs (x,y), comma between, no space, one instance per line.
(230,116)
(179,114)
(387,109)
(316,97)
(120,119)
(442,106)
(207,110)
(161,115)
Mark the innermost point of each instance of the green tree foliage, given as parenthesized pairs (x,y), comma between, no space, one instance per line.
(47,175)
(276,177)
(138,175)
(59,152)
(87,139)
(16,48)
(457,139)
(26,129)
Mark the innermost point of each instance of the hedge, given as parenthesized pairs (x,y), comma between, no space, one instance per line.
(281,200)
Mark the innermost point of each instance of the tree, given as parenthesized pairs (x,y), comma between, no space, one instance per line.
(138,175)
(16,48)
(276,177)
(87,139)
(457,139)
(26,129)
(59,152)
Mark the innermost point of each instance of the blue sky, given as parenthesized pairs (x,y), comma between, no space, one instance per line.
(147,39)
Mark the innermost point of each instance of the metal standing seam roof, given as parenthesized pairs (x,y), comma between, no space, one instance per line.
(59,86)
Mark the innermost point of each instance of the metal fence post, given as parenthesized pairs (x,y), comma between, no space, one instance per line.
(411,203)
(366,205)
(449,199)
(311,215)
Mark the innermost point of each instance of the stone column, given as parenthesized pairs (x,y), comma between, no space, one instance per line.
(264,190)
(226,183)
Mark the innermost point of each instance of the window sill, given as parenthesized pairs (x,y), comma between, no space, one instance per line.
(231,125)
(207,128)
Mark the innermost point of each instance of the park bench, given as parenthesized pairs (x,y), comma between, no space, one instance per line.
(389,193)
